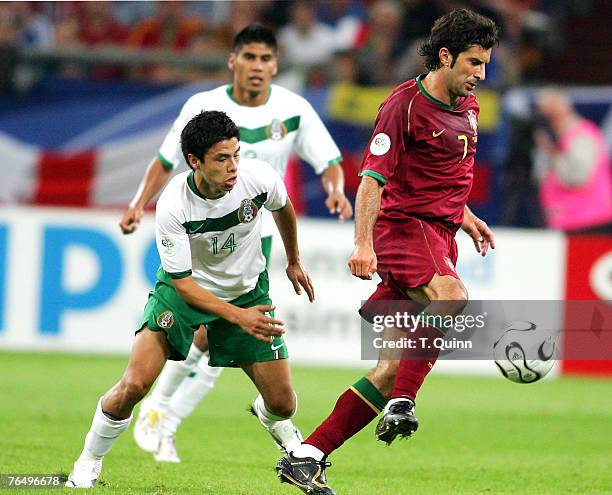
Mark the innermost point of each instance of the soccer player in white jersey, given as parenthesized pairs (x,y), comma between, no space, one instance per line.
(208,234)
(273,123)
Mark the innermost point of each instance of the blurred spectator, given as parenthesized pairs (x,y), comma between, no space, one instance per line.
(576,187)
(275,13)
(98,26)
(345,17)
(344,68)
(35,28)
(171,27)
(417,18)
(520,205)
(8,49)
(239,15)
(90,24)
(377,43)
(305,40)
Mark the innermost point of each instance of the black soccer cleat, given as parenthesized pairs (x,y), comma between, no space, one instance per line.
(398,420)
(305,473)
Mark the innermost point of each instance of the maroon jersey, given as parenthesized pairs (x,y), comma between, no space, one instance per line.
(423,150)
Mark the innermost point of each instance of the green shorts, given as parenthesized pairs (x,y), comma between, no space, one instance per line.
(229,345)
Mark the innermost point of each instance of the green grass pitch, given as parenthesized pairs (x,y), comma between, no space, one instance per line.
(477,436)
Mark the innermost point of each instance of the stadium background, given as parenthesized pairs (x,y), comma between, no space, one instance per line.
(81,116)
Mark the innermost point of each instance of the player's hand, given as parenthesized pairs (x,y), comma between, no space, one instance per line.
(130,220)
(337,202)
(543,141)
(479,231)
(256,322)
(300,278)
(362,262)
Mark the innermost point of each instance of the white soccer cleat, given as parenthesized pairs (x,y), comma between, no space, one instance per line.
(84,474)
(167,450)
(146,430)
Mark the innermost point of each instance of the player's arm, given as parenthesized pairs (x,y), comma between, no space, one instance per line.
(287,226)
(253,320)
(367,206)
(154,179)
(478,230)
(315,145)
(332,180)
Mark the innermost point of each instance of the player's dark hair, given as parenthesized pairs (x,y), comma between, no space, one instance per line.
(204,131)
(254,33)
(457,31)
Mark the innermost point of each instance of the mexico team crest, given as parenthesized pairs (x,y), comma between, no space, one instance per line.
(276,130)
(165,320)
(473,121)
(247,211)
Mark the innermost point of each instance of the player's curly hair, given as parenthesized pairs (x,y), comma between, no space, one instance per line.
(457,31)
(254,33)
(204,131)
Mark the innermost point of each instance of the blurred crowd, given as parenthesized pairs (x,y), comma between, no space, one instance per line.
(363,41)
(556,169)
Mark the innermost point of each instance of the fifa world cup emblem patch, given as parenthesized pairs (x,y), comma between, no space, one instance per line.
(247,211)
(165,320)
(276,130)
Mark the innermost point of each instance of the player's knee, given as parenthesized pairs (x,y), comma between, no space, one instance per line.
(134,389)
(452,294)
(283,405)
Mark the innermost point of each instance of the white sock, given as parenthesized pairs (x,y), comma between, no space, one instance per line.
(265,416)
(102,434)
(170,379)
(189,395)
(393,401)
(307,450)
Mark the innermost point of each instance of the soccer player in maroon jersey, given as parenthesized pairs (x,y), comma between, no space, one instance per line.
(416,178)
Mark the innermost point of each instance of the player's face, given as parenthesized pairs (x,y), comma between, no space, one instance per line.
(468,70)
(253,67)
(218,172)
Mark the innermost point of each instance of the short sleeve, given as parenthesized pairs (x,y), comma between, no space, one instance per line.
(277,192)
(387,142)
(170,152)
(314,143)
(172,241)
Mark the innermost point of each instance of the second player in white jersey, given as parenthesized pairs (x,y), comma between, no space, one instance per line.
(285,123)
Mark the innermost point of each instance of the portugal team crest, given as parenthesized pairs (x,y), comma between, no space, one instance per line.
(247,211)
(276,130)
(165,320)
(473,121)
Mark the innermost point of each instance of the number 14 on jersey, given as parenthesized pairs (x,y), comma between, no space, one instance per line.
(229,244)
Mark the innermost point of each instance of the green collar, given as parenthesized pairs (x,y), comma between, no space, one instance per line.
(192,185)
(431,98)
(194,188)
(230,93)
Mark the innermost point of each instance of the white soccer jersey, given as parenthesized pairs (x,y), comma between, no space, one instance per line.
(286,122)
(217,241)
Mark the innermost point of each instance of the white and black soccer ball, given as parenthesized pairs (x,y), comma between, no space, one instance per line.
(524,354)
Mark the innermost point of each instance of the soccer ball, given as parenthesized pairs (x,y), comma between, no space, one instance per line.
(518,346)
